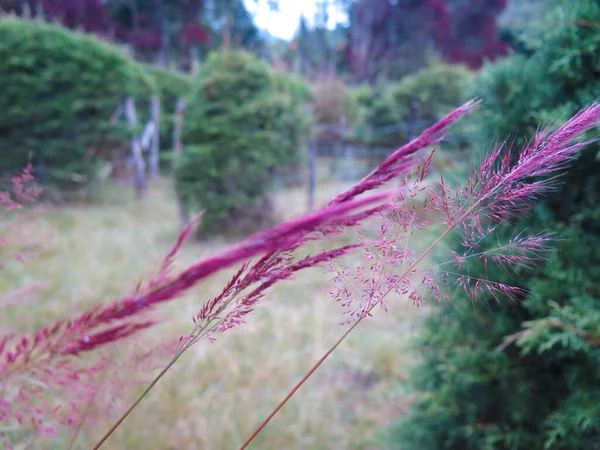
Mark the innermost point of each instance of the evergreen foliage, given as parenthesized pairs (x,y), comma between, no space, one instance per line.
(436,90)
(59,91)
(526,374)
(244,120)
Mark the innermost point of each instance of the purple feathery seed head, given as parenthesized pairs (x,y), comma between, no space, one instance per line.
(509,187)
(93,328)
(502,186)
(55,346)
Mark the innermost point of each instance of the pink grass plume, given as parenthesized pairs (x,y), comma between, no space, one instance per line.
(496,191)
(57,346)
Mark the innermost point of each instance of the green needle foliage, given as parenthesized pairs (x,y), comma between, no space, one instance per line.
(526,374)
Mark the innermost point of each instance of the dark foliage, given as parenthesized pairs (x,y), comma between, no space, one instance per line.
(59,91)
(526,374)
(392,38)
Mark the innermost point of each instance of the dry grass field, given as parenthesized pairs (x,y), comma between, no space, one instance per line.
(218,393)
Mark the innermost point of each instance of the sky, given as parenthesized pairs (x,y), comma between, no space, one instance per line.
(284,22)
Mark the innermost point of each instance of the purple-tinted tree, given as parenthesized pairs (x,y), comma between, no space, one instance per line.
(466,31)
(154,28)
(385,35)
(159,28)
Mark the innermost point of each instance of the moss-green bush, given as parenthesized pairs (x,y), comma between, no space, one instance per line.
(59,90)
(295,123)
(243,121)
(362,100)
(437,89)
(293,85)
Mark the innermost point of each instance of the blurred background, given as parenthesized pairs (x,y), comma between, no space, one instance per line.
(137,114)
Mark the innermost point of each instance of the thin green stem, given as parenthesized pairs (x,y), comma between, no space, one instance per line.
(343,337)
(186,344)
(85,415)
(137,402)
(80,423)
(300,383)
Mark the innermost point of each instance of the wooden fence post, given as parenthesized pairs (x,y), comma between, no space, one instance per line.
(177,127)
(413,118)
(182,207)
(194,61)
(312,173)
(136,148)
(26,11)
(154,146)
(39,11)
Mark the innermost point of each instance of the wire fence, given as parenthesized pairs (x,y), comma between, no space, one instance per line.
(346,154)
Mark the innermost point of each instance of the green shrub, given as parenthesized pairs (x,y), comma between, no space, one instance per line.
(542,390)
(59,90)
(296,87)
(242,122)
(296,121)
(437,89)
(362,99)
(330,103)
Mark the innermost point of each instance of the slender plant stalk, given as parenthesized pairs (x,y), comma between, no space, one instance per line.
(84,417)
(300,383)
(184,346)
(137,402)
(345,335)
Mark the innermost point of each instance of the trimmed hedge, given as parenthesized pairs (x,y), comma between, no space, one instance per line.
(437,89)
(330,102)
(243,122)
(59,91)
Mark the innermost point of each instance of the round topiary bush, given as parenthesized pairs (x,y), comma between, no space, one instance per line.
(59,91)
(243,121)
(382,113)
(422,97)
(438,89)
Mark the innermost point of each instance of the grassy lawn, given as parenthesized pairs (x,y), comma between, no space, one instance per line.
(218,393)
